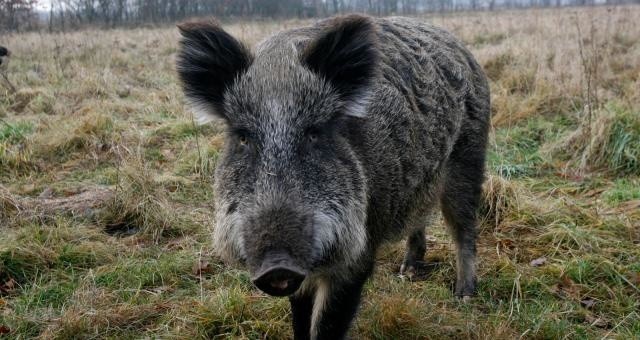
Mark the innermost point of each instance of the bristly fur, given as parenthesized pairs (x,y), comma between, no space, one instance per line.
(209,61)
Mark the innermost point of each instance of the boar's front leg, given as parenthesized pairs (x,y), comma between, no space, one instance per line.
(301,310)
(416,248)
(328,312)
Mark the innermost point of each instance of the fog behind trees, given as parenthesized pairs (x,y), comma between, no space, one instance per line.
(74,14)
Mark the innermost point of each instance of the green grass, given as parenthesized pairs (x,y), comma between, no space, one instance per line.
(624,189)
(14,133)
(610,142)
(624,142)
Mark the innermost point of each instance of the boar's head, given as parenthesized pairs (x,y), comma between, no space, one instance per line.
(290,189)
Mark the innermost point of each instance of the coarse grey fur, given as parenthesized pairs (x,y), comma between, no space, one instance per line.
(342,136)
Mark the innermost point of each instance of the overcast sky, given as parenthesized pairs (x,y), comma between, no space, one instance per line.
(44,4)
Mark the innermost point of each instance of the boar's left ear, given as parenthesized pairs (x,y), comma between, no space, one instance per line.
(346,54)
(208,63)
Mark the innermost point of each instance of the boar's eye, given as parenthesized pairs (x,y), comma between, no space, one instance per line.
(242,136)
(313,135)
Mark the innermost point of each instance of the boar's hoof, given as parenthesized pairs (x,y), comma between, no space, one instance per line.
(466,287)
(419,270)
(407,271)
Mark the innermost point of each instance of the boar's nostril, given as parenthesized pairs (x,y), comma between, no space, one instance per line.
(282,285)
(279,280)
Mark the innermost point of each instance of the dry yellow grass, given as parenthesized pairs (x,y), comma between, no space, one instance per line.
(103,108)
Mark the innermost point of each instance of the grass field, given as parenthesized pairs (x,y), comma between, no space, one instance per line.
(101,113)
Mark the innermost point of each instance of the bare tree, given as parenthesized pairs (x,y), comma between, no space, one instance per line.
(17,14)
(65,14)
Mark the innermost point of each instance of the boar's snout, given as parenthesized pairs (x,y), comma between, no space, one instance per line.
(278,242)
(279,276)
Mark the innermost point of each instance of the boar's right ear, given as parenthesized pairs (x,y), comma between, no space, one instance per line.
(208,63)
(346,54)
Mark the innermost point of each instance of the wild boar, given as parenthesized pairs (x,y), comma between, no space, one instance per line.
(340,136)
(4,57)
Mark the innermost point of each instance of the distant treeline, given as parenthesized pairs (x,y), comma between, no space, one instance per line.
(72,14)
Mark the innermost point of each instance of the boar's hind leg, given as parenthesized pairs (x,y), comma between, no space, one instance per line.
(460,199)
(416,246)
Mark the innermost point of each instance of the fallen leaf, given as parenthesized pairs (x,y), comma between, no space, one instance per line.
(588,303)
(505,243)
(630,205)
(626,207)
(201,267)
(68,192)
(566,288)
(123,92)
(538,262)
(8,285)
(593,192)
(4,330)
(570,175)
(46,193)
(635,278)
(596,321)
(176,244)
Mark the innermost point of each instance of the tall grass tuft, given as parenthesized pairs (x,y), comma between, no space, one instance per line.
(611,143)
